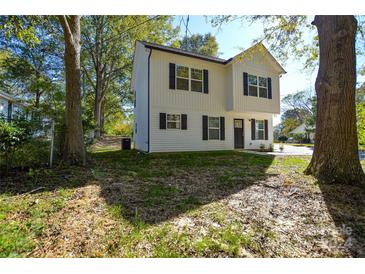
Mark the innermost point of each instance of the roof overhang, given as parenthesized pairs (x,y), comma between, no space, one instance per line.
(7,96)
(257,47)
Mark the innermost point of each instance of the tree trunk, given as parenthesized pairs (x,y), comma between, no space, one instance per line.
(98,74)
(98,101)
(74,150)
(335,157)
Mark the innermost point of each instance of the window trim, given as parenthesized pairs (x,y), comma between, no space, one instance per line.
(257,129)
(216,128)
(174,121)
(258,86)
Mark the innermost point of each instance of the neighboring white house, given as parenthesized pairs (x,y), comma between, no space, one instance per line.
(11,107)
(7,103)
(303,129)
(186,101)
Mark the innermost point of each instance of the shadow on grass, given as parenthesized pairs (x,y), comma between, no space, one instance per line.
(44,179)
(346,204)
(151,188)
(156,187)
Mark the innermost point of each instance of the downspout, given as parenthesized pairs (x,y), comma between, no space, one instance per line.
(148,96)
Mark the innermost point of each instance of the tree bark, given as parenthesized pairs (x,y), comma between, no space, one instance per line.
(335,157)
(74,150)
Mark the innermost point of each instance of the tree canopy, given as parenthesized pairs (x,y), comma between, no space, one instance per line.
(204,44)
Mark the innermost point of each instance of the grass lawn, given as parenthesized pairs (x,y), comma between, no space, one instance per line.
(204,204)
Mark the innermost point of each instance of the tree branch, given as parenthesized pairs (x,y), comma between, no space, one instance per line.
(66,27)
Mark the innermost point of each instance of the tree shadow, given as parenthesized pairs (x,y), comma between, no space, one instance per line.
(42,179)
(157,187)
(151,188)
(346,205)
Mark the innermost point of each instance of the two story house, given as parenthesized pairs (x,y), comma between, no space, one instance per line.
(186,101)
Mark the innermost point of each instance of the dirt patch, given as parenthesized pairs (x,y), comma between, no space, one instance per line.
(78,229)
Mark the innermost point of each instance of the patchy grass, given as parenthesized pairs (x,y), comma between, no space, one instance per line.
(193,204)
(22,220)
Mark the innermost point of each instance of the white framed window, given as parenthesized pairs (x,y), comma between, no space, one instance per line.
(182,77)
(173,121)
(196,80)
(257,86)
(252,85)
(213,128)
(263,87)
(260,130)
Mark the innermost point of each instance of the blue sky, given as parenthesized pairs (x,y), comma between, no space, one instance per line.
(235,36)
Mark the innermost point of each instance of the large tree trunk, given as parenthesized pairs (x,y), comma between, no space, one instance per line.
(74,150)
(335,157)
(99,76)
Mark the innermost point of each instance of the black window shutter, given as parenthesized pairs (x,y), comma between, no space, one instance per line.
(172,76)
(205,127)
(266,130)
(269,94)
(162,120)
(206,81)
(184,121)
(222,128)
(245,83)
(253,129)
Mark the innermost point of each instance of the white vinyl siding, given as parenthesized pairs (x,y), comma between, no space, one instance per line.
(191,139)
(140,87)
(256,65)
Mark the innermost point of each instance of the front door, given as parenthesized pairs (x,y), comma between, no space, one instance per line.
(238,133)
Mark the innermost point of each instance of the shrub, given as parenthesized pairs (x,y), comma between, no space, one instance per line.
(34,152)
(282,138)
(10,137)
(299,137)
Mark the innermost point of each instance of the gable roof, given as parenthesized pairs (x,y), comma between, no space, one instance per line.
(301,128)
(184,52)
(264,51)
(211,58)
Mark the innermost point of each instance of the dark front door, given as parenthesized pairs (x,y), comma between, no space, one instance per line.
(238,133)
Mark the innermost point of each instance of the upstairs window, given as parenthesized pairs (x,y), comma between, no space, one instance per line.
(213,128)
(263,87)
(252,85)
(173,121)
(257,86)
(196,80)
(260,130)
(182,77)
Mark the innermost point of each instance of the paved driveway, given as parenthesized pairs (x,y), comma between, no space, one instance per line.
(298,151)
(292,150)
